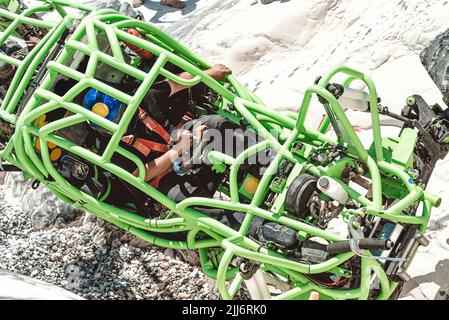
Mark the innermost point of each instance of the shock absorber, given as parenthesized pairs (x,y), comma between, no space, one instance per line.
(409,244)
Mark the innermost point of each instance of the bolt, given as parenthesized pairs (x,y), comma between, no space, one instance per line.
(324,183)
(323,158)
(411,101)
(299,146)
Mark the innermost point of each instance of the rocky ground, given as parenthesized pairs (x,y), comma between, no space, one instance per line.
(88,257)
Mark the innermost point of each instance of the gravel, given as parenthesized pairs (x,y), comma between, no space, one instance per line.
(88,256)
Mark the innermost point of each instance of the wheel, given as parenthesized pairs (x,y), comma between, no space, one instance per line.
(299,194)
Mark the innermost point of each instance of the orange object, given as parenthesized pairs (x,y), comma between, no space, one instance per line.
(144,54)
(40,122)
(146,146)
(55,154)
(49,144)
(38,144)
(251,185)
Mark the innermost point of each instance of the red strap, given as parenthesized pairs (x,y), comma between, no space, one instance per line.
(145,146)
(155,183)
(154,126)
(144,54)
(159,147)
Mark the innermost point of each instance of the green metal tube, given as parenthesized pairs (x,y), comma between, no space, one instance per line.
(236,166)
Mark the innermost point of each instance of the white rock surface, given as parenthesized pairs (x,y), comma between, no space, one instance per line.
(19,287)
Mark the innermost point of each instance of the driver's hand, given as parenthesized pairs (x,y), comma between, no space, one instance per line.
(184,142)
(219,72)
(198,133)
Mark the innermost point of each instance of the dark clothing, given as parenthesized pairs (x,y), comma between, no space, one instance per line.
(157,104)
(168,111)
(165,109)
(201,181)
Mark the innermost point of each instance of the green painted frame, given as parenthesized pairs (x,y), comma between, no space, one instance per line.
(281,132)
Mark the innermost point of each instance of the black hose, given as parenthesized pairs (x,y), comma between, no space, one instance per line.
(364,244)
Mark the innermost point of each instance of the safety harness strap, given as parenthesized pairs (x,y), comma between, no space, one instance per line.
(154,126)
(145,146)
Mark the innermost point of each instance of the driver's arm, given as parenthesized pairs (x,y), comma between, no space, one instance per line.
(217,72)
(160,165)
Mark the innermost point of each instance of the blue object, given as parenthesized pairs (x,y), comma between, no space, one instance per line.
(178,168)
(103,105)
(385,234)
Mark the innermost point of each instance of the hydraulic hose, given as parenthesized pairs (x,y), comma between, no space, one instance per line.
(364,244)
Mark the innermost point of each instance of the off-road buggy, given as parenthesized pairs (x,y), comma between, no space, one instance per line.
(316,177)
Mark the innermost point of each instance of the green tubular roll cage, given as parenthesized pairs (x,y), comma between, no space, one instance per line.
(290,129)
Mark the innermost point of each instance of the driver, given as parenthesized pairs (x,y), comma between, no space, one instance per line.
(162,118)
(161,107)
